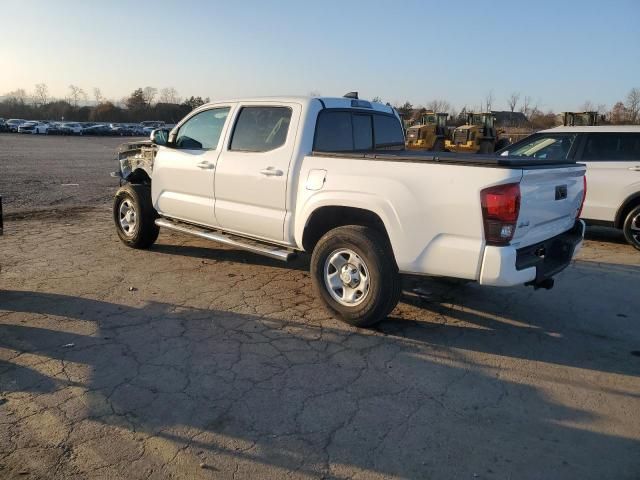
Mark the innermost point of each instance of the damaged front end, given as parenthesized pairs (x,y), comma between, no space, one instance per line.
(135,160)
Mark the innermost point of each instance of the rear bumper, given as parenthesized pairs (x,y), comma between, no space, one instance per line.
(533,264)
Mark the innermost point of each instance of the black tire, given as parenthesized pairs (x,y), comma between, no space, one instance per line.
(374,250)
(631,227)
(143,231)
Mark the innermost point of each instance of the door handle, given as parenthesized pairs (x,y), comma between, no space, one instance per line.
(271,172)
(635,169)
(204,164)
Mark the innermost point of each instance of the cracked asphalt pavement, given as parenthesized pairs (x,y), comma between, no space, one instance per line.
(193,360)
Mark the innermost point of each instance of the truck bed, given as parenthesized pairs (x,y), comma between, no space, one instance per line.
(449,158)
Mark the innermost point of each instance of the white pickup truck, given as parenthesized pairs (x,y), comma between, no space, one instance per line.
(329,176)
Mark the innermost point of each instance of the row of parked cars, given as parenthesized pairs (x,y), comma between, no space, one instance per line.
(45,127)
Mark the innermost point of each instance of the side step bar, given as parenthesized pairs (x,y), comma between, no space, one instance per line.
(279,253)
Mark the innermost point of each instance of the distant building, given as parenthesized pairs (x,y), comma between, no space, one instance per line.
(510,119)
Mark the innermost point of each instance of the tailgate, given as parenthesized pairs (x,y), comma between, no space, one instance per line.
(550,198)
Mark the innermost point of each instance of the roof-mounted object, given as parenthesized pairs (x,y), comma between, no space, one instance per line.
(351,95)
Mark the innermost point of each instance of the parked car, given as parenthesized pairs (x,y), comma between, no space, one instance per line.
(612,156)
(98,129)
(55,128)
(38,128)
(72,128)
(153,123)
(14,123)
(329,176)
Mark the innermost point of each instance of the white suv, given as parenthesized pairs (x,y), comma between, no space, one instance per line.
(612,156)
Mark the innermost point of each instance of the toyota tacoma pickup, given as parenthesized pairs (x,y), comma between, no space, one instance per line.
(330,176)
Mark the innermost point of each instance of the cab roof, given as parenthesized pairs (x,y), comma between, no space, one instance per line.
(329,102)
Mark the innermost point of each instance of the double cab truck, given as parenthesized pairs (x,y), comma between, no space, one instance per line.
(330,177)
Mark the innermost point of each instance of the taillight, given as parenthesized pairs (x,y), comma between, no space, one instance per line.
(584,196)
(500,208)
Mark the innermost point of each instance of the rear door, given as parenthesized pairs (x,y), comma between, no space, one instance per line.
(183,173)
(613,172)
(251,176)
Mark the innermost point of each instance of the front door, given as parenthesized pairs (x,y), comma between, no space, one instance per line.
(184,172)
(252,171)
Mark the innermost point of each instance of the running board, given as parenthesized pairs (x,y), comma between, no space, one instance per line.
(254,246)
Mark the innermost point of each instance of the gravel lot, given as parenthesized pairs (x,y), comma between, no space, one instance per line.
(42,171)
(193,360)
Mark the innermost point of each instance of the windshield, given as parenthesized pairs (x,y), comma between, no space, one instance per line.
(547,147)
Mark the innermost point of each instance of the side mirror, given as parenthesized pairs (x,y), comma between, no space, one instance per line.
(159,136)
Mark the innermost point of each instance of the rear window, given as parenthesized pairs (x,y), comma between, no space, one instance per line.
(543,146)
(334,132)
(388,131)
(348,131)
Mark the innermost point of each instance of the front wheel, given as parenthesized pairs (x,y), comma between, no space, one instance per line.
(135,216)
(631,227)
(355,275)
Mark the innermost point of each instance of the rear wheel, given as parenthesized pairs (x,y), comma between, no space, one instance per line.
(135,216)
(355,275)
(631,227)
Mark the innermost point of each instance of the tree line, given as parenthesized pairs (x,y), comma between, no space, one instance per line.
(146,103)
(149,103)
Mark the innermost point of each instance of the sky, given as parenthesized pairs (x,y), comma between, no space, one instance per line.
(559,53)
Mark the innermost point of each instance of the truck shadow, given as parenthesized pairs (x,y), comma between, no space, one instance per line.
(605,234)
(318,399)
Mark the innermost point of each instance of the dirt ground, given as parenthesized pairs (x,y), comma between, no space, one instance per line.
(192,360)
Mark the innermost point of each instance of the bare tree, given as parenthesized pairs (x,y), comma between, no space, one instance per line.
(149,94)
(17,96)
(97,94)
(76,94)
(439,106)
(488,100)
(41,94)
(588,106)
(512,101)
(618,114)
(377,99)
(633,105)
(169,95)
(315,93)
(526,106)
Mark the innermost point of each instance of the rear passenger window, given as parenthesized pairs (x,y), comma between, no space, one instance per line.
(388,131)
(260,129)
(612,147)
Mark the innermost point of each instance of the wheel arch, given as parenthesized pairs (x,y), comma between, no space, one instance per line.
(629,204)
(139,176)
(323,214)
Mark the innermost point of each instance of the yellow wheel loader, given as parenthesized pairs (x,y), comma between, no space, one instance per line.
(428,134)
(478,135)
